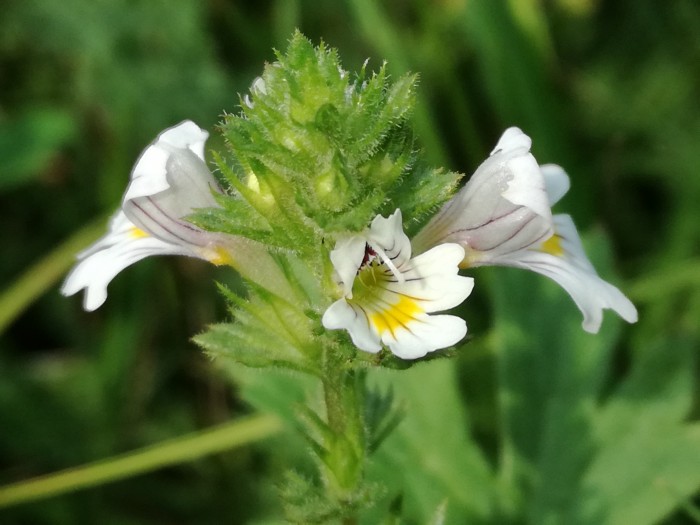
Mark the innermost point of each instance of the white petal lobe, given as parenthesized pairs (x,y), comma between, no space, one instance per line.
(149,175)
(340,315)
(513,138)
(432,333)
(556,182)
(573,271)
(346,258)
(121,247)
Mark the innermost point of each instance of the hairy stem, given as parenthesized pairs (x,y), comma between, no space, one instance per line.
(346,449)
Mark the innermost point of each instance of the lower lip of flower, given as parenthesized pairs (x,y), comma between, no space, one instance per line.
(386,310)
(394,316)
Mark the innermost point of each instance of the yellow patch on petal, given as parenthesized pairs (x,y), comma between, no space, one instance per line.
(220,256)
(137,233)
(553,246)
(396,315)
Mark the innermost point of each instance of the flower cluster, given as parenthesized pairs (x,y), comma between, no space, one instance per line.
(389,287)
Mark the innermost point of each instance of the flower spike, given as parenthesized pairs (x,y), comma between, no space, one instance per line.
(502,217)
(387,295)
(170,179)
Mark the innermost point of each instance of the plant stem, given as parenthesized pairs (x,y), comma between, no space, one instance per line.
(343,389)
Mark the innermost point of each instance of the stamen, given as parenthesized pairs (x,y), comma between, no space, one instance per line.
(385,259)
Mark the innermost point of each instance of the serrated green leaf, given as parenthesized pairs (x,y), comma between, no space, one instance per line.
(382,415)
(422,192)
(235,342)
(551,374)
(431,457)
(267,331)
(236,219)
(648,459)
(643,477)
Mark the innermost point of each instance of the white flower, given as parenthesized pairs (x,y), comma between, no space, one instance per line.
(170,180)
(388,295)
(502,217)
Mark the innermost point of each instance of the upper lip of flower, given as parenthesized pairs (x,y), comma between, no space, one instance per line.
(170,180)
(506,190)
(385,238)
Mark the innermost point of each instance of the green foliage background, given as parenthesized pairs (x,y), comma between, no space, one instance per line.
(535,422)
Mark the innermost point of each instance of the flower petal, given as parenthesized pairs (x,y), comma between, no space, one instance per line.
(503,217)
(347,257)
(429,333)
(149,174)
(122,246)
(432,280)
(563,260)
(556,182)
(170,180)
(503,208)
(386,235)
(148,214)
(525,185)
(341,315)
(390,296)
(397,311)
(512,139)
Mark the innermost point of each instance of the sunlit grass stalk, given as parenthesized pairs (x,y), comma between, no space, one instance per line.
(45,273)
(170,452)
(666,281)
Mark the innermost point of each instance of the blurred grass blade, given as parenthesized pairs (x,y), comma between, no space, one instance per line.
(514,73)
(44,274)
(668,281)
(30,141)
(179,450)
(530,16)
